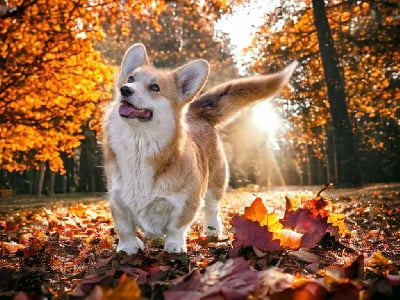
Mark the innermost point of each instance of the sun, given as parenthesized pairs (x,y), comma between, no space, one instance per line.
(265,118)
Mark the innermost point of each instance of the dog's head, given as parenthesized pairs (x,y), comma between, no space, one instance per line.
(148,94)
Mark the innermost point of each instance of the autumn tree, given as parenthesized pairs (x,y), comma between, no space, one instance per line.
(345,149)
(51,81)
(366,38)
(52,78)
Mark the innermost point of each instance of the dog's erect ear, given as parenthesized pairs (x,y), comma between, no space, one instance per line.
(190,78)
(134,57)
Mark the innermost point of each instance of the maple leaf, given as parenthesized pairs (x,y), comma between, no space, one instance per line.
(312,227)
(308,291)
(337,220)
(258,212)
(338,275)
(86,286)
(272,281)
(318,206)
(127,289)
(250,233)
(233,279)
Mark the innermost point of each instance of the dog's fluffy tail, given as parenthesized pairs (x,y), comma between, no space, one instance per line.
(222,103)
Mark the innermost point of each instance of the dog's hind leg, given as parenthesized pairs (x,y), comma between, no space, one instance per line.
(218,181)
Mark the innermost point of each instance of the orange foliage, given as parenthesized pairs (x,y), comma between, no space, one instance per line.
(365,35)
(53,79)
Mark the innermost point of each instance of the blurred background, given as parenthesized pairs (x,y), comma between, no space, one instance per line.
(337,121)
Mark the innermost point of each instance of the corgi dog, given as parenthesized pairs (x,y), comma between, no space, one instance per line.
(163,155)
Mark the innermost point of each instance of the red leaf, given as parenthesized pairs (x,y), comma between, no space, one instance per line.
(233,279)
(308,291)
(10,227)
(304,221)
(249,233)
(352,271)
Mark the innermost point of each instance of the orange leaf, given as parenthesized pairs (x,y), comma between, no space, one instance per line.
(258,213)
(288,238)
(127,289)
(11,247)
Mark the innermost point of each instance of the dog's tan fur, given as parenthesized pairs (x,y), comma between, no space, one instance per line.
(176,158)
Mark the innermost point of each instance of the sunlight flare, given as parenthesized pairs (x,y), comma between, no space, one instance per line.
(265,118)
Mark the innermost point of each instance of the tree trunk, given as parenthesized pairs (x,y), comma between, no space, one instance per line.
(52,182)
(346,154)
(42,172)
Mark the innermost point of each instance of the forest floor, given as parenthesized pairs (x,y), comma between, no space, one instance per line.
(291,243)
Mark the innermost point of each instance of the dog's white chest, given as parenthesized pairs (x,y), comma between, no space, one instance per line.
(134,178)
(136,174)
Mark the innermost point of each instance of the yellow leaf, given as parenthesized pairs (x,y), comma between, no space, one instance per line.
(381,265)
(258,212)
(338,221)
(128,289)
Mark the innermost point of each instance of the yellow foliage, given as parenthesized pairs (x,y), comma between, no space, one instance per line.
(52,79)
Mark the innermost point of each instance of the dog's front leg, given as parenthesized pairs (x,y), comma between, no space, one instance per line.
(175,233)
(175,240)
(125,226)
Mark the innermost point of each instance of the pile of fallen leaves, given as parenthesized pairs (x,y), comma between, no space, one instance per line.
(297,247)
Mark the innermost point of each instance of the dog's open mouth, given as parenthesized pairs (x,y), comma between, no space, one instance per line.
(128,110)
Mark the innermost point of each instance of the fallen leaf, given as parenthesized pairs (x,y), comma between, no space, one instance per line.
(351,271)
(308,291)
(11,247)
(250,233)
(313,227)
(233,279)
(288,239)
(272,281)
(128,289)
(381,265)
(258,213)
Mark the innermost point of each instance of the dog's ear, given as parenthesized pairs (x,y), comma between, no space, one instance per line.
(134,57)
(190,78)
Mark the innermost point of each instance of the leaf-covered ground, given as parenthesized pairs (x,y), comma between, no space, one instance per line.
(283,244)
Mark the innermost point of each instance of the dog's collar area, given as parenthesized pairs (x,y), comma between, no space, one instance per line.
(127,110)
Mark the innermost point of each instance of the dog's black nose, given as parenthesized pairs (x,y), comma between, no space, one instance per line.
(126,91)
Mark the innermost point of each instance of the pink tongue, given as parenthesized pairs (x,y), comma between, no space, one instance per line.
(127,110)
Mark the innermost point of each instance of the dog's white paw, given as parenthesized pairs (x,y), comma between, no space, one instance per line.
(130,247)
(174,248)
(212,226)
(174,244)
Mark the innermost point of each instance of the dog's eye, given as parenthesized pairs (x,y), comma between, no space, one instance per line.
(131,79)
(154,87)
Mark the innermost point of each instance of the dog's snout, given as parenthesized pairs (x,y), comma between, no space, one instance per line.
(126,91)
